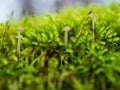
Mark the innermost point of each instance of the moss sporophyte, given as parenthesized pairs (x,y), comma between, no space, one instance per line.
(20,29)
(66,29)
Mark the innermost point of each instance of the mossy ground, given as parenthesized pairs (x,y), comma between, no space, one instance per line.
(46,64)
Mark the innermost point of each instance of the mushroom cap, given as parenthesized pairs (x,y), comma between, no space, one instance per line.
(93,16)
(20,29)
(67,28)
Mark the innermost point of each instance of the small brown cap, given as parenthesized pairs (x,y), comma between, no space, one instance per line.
(93,16)
(20,29)
(67,28)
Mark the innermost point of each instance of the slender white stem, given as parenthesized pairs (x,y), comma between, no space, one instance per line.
(18,45)
(66,38)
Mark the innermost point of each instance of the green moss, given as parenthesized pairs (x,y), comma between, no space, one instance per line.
(46,64)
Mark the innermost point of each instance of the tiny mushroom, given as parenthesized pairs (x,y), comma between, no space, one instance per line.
(20,29)
(66,29)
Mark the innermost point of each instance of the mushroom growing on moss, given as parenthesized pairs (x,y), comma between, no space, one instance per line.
(66,29)
(20,29)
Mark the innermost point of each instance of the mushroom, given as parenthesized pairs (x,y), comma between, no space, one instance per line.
(66,29)
(93,17)
(20,29)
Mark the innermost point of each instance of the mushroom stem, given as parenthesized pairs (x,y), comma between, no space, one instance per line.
(18,45)
(66,29)
(20,29)
(66,38)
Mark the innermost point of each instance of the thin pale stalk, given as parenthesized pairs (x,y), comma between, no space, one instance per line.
(18,45)
(66,38)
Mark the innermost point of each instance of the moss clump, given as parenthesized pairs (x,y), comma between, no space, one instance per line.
(45,63)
